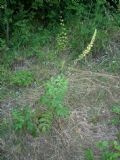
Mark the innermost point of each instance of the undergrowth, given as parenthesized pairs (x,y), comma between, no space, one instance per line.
(108,151)
(21,78)
(28,36)
(37,120)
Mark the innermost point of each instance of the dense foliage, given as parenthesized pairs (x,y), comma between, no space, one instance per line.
(12,12)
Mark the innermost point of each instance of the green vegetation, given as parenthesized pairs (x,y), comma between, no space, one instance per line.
(109,151)
(89,155)
(21,78)
(22,119)
(59,77)
(53,98)
(32,121)
(116,112)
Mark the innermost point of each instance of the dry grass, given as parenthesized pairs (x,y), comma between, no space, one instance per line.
(90,98)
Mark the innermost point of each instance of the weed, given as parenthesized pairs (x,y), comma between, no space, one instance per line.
(110,150)
(62,39)
(22,119)
(88,49)
(89,155)
(53,99)
(32,121)
(22,78)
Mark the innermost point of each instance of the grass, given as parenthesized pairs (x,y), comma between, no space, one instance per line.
(21,78)
(93,92)
(83,100)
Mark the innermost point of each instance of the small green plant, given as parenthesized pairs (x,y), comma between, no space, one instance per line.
(55,91)
(109,150)
(62,39)
(23,119)
(22,78)
(53,99)
(116,112)
(34,121)
(89,155)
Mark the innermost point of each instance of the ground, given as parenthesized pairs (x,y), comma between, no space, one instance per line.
(90,97)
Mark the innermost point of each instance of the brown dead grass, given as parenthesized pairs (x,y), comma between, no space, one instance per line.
(90,98)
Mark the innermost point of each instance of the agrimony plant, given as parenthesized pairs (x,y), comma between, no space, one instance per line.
(62,38)
(55,91)
(88,49)
(53,99)
(23,119)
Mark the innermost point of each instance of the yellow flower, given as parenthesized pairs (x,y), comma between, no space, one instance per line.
(89,47)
